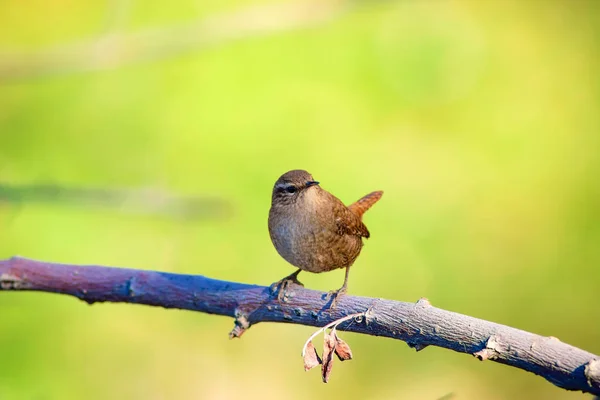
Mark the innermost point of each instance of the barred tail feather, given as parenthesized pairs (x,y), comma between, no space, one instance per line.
(362,205)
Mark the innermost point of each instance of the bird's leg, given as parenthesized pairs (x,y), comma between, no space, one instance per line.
(336,294)
(280,287)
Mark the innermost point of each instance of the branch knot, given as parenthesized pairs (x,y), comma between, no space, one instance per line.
(11,282)
(592,373)
(491,351)
(241,324)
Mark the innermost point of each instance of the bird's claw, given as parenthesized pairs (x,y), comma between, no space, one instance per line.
(281,287)
(334,295)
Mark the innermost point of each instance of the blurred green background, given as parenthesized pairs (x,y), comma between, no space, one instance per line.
(480,121)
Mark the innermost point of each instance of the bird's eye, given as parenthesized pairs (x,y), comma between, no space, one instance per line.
(290,189)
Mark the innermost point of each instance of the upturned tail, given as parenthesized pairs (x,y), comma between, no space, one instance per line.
(362,205)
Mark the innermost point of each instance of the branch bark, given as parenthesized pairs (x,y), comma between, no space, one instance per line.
(418,324)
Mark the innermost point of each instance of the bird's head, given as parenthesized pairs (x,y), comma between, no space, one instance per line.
(291,186)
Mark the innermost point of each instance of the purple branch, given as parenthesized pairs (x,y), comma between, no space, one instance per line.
(418,324)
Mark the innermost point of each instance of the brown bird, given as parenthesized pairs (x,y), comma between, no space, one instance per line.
(313,230)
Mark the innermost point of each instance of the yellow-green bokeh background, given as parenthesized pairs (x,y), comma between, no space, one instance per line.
(479,119)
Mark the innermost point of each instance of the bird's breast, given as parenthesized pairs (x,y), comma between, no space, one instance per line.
(308,240)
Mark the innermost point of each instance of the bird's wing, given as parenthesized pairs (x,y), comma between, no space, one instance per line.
(348,223)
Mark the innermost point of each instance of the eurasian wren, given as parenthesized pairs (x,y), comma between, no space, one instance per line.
(313,230)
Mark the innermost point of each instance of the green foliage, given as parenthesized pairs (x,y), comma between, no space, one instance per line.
(479,120)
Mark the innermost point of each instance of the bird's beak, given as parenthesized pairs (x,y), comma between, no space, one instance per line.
(311,183)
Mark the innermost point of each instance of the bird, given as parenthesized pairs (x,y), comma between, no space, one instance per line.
(313,230)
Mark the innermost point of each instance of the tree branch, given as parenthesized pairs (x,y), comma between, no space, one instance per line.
(418,324)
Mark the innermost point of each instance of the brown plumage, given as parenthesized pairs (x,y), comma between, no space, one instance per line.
(313,230)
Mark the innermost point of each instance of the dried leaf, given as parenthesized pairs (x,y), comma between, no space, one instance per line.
(342,350)
(328,349)
(311,358)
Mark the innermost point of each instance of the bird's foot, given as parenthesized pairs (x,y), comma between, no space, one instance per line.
(335,295)
(281,287)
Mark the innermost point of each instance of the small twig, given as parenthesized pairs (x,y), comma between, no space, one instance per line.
(331,325)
